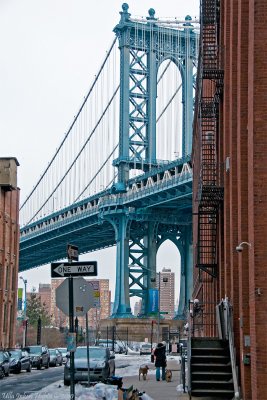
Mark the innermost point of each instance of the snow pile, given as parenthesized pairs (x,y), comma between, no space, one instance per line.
(180,389)
(60,392)
(146,397)
(99,391)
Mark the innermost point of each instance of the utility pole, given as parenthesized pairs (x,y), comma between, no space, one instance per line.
(76,328)
(71,331)
(158,327)
(151,341)
(39,331)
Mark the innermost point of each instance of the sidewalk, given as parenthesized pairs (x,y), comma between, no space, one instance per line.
(158,390)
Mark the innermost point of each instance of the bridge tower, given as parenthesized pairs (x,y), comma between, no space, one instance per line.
(144,45)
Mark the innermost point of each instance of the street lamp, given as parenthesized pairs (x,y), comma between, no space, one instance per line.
(25,312)
(165,279)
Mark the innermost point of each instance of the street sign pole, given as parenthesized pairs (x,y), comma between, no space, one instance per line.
(158,330)
(71,322)
(87,348)
(39,330)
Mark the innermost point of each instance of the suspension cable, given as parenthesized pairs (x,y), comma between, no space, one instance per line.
(101,167)
(77,156)
(169,102)
(69,130)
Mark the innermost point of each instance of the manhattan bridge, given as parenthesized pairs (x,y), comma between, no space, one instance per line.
(122,174)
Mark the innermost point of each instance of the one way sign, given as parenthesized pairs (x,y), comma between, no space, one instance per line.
(65,269)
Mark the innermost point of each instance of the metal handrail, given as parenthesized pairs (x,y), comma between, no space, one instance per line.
(183,380)
(190,332)
(226,329)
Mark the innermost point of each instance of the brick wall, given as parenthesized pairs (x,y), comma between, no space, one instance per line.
(9,248)
(243,218)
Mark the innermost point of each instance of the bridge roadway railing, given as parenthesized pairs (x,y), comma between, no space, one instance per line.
(154,182)
(146,191)
(58,219)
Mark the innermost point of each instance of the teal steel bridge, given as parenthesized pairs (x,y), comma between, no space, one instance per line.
(106,184)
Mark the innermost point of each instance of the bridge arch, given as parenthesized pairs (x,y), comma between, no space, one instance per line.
(169,110)
(170,249)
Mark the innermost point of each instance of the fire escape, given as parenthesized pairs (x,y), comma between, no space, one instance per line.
(210,194)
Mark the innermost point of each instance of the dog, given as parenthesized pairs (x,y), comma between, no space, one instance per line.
(168,375)
(143,371)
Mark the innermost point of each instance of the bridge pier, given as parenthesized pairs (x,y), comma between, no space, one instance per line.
(187,92)
(142,256)
(150,262)
(122,307)
(186,278)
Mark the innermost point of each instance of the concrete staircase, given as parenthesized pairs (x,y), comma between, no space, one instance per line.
(211,371)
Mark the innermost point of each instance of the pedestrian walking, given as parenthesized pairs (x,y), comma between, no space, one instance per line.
(160,355)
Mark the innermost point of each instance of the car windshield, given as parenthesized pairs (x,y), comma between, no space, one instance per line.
(35,349)
(15,354)
(146,346)
(1,356)
(52,352)
(94,352)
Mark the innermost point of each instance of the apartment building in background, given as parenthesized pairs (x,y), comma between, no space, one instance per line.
(97,314)
(137,307)
(45,296)
(9,249)
(59,319)
(167,293)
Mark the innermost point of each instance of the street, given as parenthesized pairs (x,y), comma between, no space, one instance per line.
(18,385)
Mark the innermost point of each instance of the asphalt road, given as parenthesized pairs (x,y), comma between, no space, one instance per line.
(18,386)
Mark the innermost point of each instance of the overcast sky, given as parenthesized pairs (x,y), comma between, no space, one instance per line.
(50,52)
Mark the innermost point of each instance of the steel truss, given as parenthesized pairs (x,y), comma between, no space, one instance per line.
(143,47)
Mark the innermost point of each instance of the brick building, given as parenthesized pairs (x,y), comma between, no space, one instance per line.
(9,250)
(97,314)
(230,181)
(59,319)
(45,295)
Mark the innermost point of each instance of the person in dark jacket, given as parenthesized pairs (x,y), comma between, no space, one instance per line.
(160,354)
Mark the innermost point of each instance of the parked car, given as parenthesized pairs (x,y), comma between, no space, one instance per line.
(109,343)
(55,357)
(19,360)
(64,353)
(145,348)
(102,364)
(39,356)
(4,363)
